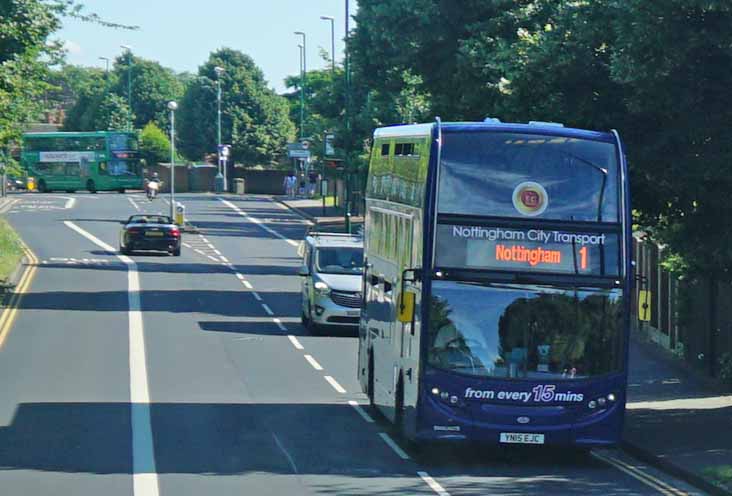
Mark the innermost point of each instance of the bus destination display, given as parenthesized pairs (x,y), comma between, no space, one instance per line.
(529,250)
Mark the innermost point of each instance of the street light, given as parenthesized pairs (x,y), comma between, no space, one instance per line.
(302,93)
(332,41)
(219,71)
(129,84)
(302,84)
(105,59)
(172,106)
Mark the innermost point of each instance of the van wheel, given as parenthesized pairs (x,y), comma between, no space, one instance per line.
(91,186)
(42,186)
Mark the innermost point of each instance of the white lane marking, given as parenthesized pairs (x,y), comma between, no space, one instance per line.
(187,245)
(394,446)
(224,259)
(258,222)
(144,474)
(203,238)
(248,284)
(239,276)
(70,203)
(637,474)
(267,309)
(335,384)
(434,485)
(199,251)
(295,342)
(213,258)
(279,324)
(361,411)
(216,251)
(132,202)
(312,361)
(256,296)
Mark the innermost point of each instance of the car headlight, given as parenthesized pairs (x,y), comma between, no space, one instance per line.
(321,288)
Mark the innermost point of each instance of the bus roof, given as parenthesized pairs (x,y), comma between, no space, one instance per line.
(417,130)
(70,134)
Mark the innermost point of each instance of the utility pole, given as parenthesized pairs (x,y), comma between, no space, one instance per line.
(346,164)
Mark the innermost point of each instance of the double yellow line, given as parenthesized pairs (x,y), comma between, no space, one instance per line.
(7,317)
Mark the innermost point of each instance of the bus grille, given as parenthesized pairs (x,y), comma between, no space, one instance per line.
(346,299)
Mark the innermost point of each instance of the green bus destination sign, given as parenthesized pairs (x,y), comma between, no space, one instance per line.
(533,250)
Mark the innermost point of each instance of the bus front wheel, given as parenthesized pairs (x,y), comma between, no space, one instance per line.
(42,186)
(91,186)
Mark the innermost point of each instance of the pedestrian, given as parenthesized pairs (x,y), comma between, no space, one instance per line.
(312,183)
(302,186)
(289,183)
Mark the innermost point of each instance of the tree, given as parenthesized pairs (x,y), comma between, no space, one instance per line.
(154,144)
(255,120)
(112,114)
(153,86)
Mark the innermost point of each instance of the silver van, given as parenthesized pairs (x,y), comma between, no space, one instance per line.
(331,273)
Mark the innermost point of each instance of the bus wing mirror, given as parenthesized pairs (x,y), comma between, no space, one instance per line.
(406,307)
(644,305)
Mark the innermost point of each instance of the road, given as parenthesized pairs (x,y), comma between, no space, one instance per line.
(155,375)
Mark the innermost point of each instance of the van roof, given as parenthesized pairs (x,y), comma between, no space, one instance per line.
(340,240)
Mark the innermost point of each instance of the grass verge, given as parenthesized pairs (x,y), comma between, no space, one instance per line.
(11,250)
(721,475)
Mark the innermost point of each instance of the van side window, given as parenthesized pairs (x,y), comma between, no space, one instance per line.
(385,149)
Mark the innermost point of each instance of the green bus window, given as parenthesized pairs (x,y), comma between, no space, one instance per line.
(385,149)
(103,168)
(72,168)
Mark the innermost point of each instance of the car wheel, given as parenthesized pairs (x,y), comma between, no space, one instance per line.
(176,252)
(124,250)
(91,186)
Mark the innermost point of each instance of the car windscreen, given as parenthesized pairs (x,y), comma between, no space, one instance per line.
(149,219)
(503,174)
(339,260)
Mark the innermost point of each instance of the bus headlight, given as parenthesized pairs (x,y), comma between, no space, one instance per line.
(435,391)
(592,405)
(321,288)
(611,397)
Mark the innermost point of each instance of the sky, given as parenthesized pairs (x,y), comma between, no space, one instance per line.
(181,34)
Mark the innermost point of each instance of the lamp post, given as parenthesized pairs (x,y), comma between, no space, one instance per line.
(347,75)
(129,85)
(219,71)
(302,81)
(302,93)
(106,60)
(332,41)
(172,106)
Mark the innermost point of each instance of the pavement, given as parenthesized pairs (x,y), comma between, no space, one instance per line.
(333,218)
(677,420)
(153,375)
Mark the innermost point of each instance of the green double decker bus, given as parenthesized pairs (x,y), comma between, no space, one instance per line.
(95,161)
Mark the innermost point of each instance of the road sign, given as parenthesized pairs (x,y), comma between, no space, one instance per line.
(329,145)
(224,150)
(298,150)
(305,144)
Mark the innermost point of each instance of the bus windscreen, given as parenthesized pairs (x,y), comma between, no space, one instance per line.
(533,176)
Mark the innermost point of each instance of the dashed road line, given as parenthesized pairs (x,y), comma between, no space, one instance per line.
(256,296)
(361,411)
(258,222)
(267,309)
(295,342)
(239,276)
(223,259)
(394,446)
(134,204)
(434,485)
(312,361)
(335,384)
(279,324)
(212,258)
(248,284)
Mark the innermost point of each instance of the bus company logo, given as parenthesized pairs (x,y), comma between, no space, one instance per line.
(530,198)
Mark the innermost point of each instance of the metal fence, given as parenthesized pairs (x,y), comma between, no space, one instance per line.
(691,317)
